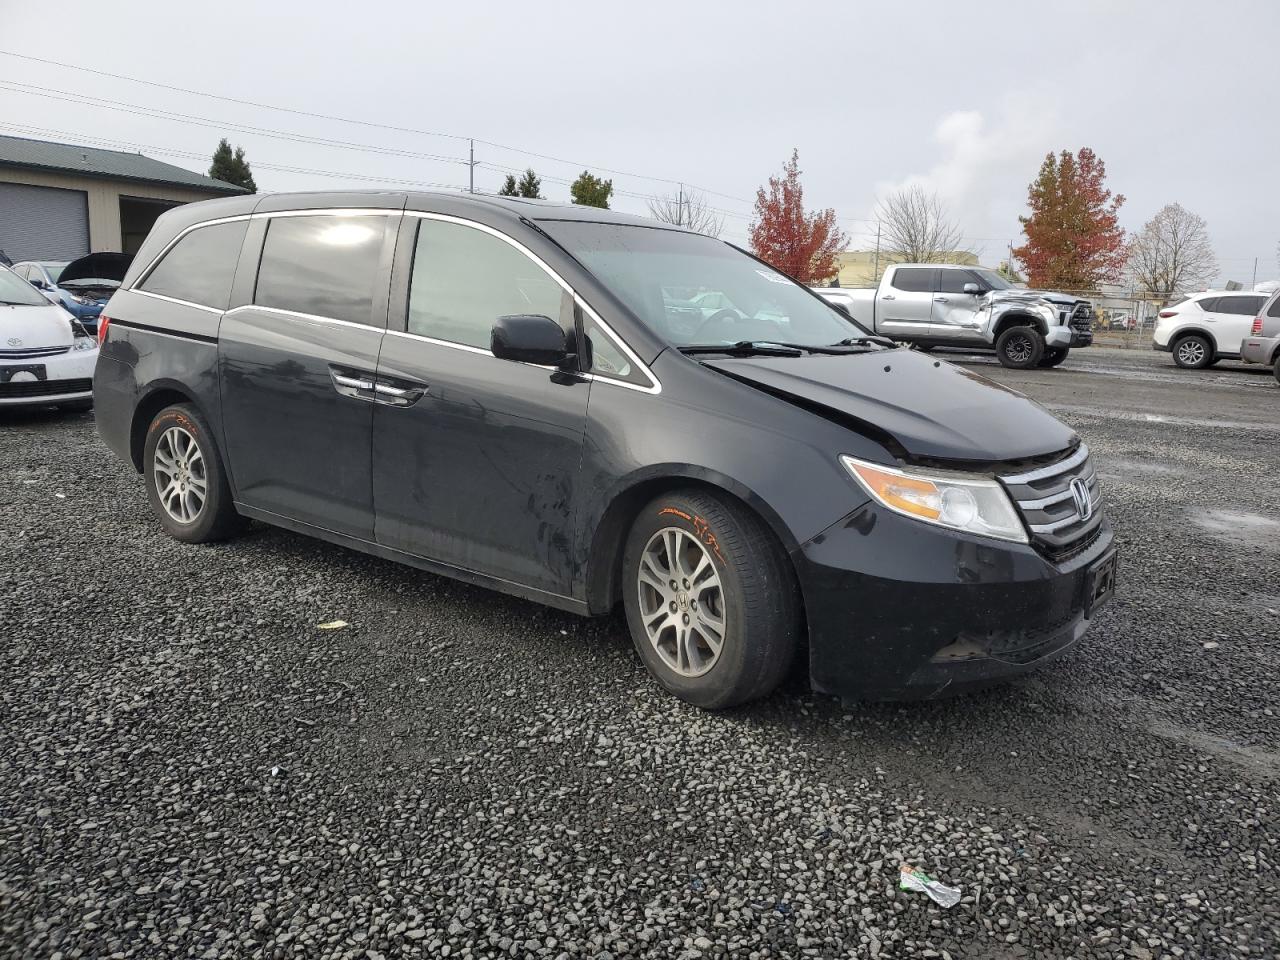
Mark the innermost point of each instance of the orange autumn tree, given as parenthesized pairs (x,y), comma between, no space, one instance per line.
(783,235)
(1074,240)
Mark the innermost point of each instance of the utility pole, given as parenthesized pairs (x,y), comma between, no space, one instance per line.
(471,169)
(680,207)
(1255,274)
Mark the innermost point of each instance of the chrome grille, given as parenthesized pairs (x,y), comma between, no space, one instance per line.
(1061,503)
(26,352)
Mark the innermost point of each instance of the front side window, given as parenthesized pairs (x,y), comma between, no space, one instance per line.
(325,265)
(637,264)
(464,279)
(953,281)
(200,267)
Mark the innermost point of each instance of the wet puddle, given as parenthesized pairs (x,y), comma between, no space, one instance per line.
(1251,528)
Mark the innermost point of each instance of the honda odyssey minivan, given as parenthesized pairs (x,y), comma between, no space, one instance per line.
(494,389)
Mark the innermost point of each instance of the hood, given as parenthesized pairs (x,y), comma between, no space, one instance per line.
(932,409)
(1031,296)
(97,266)
(43,326)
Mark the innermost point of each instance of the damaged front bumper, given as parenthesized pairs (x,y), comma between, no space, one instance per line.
(898,609)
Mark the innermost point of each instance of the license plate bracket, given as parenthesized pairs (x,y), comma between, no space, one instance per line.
(1100,583)
(37,370)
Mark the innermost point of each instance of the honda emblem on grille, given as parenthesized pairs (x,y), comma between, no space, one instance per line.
(1084,502)
(15,341)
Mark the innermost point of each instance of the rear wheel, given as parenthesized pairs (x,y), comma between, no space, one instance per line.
(1193,352)
(711,600)
(1020,347)
(1276,369)
(186,482)
(1054,356)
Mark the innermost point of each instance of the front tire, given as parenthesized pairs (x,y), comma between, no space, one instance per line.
(711,599)
(1020,347)
(1193,352)
(186,482)
(1054,356)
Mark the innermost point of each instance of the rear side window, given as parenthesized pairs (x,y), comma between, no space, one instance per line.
(1274,309)
(464,279)
(1243,306)
(322,265)
(200,267)
(1210,305)
(913,280)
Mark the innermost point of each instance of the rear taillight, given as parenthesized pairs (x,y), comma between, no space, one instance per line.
(103,322)
(1256,329)
(1166,314)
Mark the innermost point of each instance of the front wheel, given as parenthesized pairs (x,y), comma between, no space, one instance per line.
(1019,348)
(1193,352)
(710,597)
(186,482)
(1054,356)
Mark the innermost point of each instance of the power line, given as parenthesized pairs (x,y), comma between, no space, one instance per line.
(352,120)
(102,141)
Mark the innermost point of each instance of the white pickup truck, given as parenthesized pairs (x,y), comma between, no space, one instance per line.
(950,305)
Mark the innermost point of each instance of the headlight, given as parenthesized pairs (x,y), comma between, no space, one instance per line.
(973,505)
(83,301)
(83,343)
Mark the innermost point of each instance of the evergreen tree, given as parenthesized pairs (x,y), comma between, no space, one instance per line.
(509,188)
(530,185)
(232,167)
(591,191)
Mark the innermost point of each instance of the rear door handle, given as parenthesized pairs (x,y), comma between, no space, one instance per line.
(399,396)
(888,296)
(941,300)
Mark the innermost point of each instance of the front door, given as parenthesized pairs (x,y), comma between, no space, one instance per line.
(475,459)
(904,305)
(297,366)
(955,313)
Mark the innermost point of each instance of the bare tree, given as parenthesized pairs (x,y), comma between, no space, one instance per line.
(1172,254)
(916,228)
(689,209)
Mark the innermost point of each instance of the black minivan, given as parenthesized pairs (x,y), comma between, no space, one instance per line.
(585,408)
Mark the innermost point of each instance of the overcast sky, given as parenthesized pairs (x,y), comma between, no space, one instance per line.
(1179,99)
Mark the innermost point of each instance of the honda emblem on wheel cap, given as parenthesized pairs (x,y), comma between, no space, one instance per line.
(1080,494)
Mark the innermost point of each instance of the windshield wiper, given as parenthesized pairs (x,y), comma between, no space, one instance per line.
(860,341)
(745,348)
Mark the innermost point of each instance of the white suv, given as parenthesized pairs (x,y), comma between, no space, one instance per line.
(1207,327)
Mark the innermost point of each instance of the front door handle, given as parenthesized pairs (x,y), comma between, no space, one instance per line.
(353,383)
(399,396)
(888,296)
(941,300)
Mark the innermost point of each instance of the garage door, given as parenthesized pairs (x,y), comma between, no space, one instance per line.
(43,223)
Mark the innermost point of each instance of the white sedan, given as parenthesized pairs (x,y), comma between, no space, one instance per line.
(46,356)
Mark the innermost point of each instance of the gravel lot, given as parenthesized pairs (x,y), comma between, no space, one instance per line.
(189,768)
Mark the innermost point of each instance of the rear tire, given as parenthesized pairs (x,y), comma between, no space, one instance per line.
(1276,370)
(186,482)
(1193,352)
(1054,356)
(740,586)
(1020,347)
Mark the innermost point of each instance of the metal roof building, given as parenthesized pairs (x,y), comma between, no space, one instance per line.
(59,201)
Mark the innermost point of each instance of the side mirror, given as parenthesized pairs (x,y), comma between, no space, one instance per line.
(972,288)
(39,284)
(529,338)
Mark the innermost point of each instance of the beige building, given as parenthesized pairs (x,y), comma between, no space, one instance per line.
(858,268)
(59,201)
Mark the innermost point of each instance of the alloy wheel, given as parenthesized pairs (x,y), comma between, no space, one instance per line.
(1018,349)
(1191,352)
(180,478)
(681,602)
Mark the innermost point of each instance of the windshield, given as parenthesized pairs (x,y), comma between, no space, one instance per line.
(15,290)
(696,291)
(54,270)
